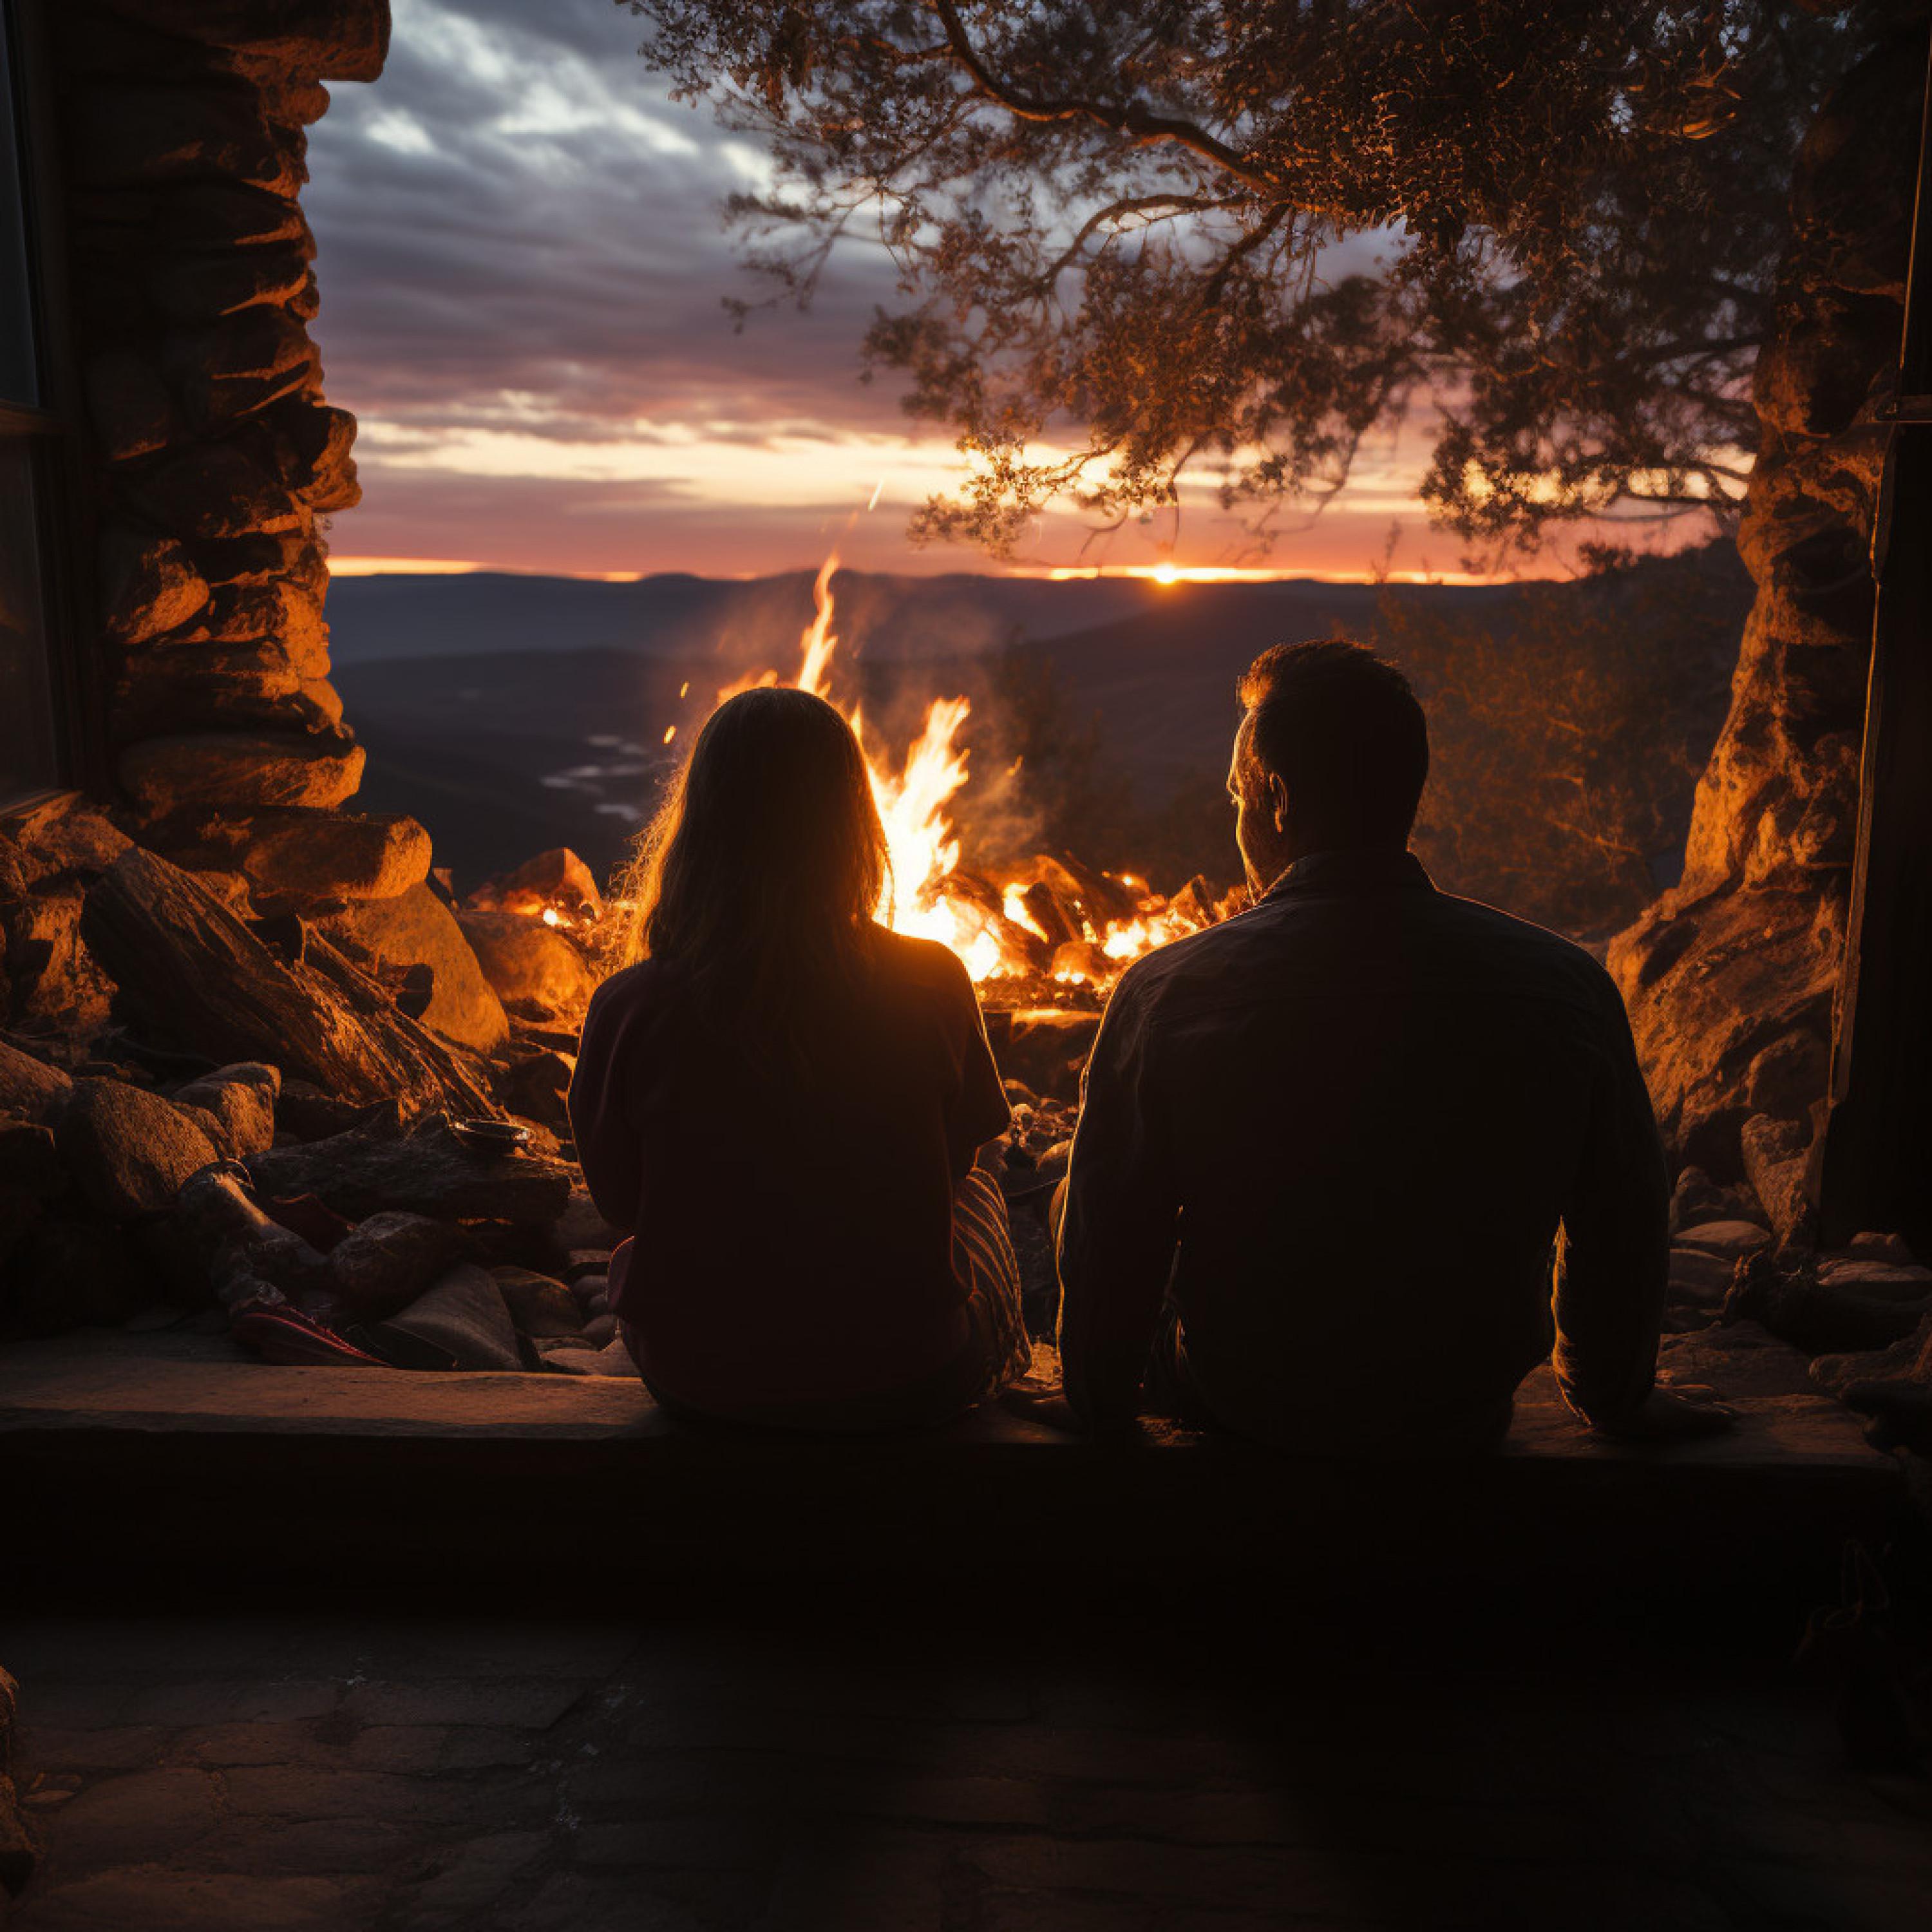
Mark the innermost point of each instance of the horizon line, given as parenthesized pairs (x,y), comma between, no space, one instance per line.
(1165,575)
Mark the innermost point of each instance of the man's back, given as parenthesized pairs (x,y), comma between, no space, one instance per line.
(1363,1107)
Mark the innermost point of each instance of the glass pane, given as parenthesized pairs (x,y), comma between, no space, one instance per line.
(19,381)
(29,744)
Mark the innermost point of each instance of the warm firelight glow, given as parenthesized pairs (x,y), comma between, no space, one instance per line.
(924,896)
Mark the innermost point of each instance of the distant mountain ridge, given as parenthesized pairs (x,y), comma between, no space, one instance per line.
(744,623)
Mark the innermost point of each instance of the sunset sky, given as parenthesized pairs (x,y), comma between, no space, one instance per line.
(522,267)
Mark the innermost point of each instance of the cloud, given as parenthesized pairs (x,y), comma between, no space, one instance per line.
(523,268)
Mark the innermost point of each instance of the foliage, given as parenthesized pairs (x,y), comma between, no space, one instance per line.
(1144,242)
(1567,736)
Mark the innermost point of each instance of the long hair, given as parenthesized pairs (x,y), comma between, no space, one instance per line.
(761,872)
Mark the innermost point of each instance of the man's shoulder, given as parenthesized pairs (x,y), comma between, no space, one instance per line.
(1524,956)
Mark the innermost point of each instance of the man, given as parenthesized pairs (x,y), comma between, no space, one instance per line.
(1324,1147)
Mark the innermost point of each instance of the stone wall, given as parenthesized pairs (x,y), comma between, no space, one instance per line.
(215,457)
(1731,978)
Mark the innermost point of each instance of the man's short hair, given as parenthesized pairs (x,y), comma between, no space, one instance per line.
(1341,730)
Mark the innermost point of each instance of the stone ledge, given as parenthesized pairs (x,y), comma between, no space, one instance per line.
(162,1469)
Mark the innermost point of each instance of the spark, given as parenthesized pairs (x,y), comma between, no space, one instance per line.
(878,490)
(670,732)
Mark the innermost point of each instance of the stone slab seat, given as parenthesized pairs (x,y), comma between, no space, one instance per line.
(150,1463)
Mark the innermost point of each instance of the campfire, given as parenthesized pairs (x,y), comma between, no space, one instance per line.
(1054,921)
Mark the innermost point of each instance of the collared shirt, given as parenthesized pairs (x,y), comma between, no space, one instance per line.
(1339,1133)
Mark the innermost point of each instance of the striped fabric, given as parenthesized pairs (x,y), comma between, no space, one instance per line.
(985,1265)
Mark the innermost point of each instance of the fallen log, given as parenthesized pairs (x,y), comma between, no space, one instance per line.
(193,974)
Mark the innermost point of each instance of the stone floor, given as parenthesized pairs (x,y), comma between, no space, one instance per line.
(869,1771)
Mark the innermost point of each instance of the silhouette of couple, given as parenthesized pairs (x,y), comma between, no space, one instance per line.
(1349,1166)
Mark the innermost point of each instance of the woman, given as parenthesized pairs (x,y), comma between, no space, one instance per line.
(781,1100)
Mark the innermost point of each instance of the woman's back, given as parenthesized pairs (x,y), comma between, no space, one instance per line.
(792,1199)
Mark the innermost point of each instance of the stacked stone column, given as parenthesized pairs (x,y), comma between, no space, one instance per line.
(215,456)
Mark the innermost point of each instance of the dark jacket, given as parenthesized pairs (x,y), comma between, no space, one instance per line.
(1339,1133)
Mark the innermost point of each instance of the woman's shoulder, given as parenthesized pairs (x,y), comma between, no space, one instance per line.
(922,963)
(629,992)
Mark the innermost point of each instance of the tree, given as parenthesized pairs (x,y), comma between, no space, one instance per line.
(1140,240)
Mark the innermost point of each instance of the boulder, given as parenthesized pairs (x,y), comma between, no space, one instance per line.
(383,1264)
(535,1085)
(55,978)
(428,1172)
(529,962)
(557,877)
(29,1088)
(237,1105)
(130,1150)
(1777,1159)
(459,1321)
(148,584)
(190,687)
(335,856)
(581,1227)
(415,927)
(1728,1239)
(238,770)
(540,1306)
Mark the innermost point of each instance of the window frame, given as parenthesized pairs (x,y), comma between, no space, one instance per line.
(54,430)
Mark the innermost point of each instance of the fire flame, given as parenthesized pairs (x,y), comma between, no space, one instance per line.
(923,897)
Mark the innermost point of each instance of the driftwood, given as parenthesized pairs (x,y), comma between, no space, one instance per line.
(190,971)
(428,1172)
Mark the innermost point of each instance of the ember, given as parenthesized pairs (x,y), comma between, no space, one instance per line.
(1058,920)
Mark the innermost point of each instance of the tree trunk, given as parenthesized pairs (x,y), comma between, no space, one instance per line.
(1730,977)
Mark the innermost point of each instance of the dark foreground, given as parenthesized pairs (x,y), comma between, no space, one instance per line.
(813,1770)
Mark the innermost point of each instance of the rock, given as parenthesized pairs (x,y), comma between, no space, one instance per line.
(1699,1277)
(132,412)
(1728,1238)
(1873,1246)
(148,585)
(383,1264)
(1890,1281)
(67,837)
(540,1306)
(459,1321)
(130,1150)
(428,1172)
(327,40)
(186,687)
(194,975)
(214,489)
(335,856)
(199,288)
(526,961)
(312,443)
(305,1113)
(601,1329)
(1745,1359)
(415,927)
(217,215)
(1819,1317)
(558,878)
(125,135)
(1894,1384)
(535,1085)
(55,977)
(581,1226)
(1777,1159)
(238,1103)
(1789,1076)
(30,1087)
(239,770)
(612,1359)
